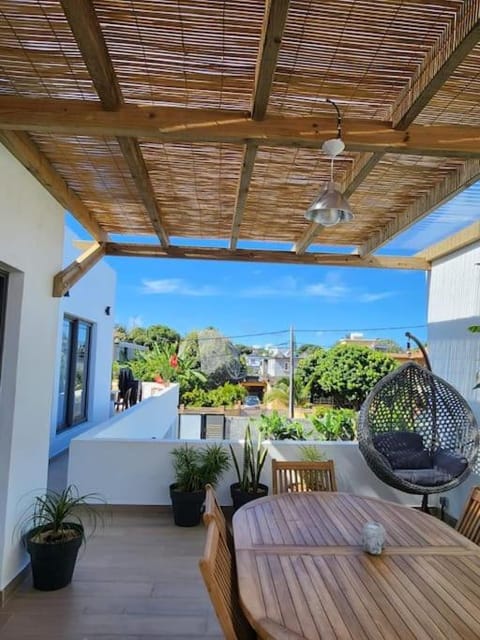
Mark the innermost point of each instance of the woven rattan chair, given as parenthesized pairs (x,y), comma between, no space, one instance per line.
(469,522)
(218,571)
(417,433)
(293,476)
(213,512)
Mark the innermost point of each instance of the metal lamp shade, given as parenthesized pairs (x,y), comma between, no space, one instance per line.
(329,208)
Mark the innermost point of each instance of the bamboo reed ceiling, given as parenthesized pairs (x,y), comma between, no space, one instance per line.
(198,120)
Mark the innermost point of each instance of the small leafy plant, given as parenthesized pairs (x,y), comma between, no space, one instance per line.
(336,424)
(311,453)
(60,516)
(254,456)
(197,466)
(276,427)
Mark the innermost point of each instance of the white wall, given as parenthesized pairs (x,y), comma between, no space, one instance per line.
(88,300)
(31,238)
(454,305)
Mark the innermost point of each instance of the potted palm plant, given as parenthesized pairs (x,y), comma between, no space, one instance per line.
(194,468)
(53,531)
(249,486)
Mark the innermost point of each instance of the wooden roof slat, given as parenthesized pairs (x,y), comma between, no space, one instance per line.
(459,240)
(274,22)
(443,191)
(248,255)
(26,151)
(88,34)
(458,41)
(360,170)
(173,124)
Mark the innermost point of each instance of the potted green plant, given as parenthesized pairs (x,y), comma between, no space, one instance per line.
(195,467)
(53,531)
(249,486)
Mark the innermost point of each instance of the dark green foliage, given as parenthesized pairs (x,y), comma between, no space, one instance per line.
(53,510)
(225,396)
(308,373)
(196,467)
(349,372)
(336,424)
(276,427)
(156,334)
(254,456)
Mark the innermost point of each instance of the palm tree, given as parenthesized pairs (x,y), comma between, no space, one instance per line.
(280,393)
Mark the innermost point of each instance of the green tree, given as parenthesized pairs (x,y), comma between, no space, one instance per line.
(280,392)
(120,333)
(348,373)
(309,375)
(155,334)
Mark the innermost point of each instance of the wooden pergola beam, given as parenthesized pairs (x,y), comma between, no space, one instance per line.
(263,256)
(178,124)
(274,21)
(357,174)
(27,153)
(65,279)
(439,65)
(88,34)
(457,241)
(437,195)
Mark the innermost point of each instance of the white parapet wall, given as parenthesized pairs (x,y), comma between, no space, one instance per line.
(128,459)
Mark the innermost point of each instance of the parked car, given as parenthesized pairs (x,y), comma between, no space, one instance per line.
(251,401)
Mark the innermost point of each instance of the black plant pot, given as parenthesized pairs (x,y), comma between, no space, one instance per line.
(53,562)
(187,506)
(241,497)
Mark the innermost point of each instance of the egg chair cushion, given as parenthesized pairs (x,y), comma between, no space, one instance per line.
(403,450)
(449,462)
(424,477)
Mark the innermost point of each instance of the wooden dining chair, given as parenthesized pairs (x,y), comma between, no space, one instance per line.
(218,571)
(213,512)
(297,476)
(469,522)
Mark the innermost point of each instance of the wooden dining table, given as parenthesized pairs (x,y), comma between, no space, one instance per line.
(302,571)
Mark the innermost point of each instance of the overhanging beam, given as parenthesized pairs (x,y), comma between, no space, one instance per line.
(460,240)
(177,124)
(65,279)
(86,29)
(281,257)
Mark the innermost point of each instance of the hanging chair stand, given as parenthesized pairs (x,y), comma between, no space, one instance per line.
(416,432)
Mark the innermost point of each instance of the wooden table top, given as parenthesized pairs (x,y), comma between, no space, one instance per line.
(303,574)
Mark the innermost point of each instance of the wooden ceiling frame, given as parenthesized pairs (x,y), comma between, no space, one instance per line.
(272,32)
(438,66)
(264,256)
(183,125)
(441,193)
(65,279)
(463,238)
(21,145)
(88,34)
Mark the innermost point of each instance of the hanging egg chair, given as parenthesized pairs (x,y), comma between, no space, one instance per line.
(417,433)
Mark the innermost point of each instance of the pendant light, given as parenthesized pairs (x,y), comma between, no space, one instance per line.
(330,207)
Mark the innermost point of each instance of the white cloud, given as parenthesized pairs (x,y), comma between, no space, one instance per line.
(375,297)
(324,290)
(176,286)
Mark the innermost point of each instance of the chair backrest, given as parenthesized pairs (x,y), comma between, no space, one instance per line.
(469,522)
(213,512)
(218,571)
(295,476)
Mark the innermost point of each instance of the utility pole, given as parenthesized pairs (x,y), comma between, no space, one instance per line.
(291,396)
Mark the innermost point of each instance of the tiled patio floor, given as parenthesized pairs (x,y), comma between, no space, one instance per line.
(137,578)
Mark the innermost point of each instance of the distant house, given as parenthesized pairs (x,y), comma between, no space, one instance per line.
(277,365)
(124,351)
(377,344)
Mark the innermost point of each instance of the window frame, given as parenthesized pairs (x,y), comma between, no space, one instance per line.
(3,312)
(70,419)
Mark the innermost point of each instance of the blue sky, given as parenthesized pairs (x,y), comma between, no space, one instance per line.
(257,303)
